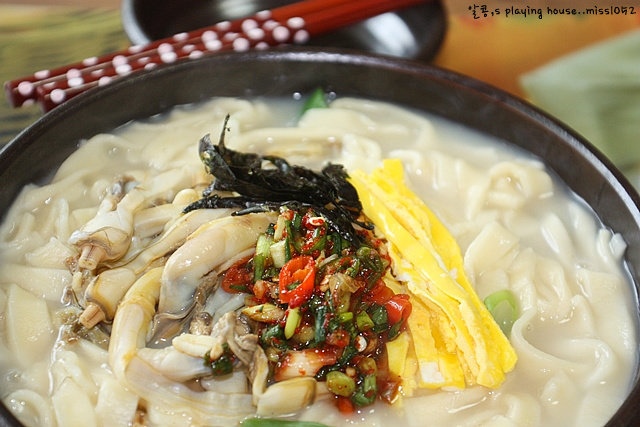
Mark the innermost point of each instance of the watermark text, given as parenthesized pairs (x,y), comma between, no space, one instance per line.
(482,11)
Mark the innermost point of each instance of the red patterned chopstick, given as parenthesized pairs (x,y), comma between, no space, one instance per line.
(51,95)
(293,23)
(258,31)
(23,90)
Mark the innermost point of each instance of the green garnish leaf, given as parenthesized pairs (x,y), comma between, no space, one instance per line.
(318,99)
(504,308)
(223,365)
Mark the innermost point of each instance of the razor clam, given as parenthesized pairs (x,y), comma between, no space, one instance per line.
(210,247)
(107,236)
(102,294)
(162,375)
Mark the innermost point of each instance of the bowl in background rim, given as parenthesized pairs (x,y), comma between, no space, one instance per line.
(416,32)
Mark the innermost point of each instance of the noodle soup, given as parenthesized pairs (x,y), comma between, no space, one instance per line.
(89,338)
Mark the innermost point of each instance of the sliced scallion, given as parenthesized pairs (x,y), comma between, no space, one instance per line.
(293,321)
(364,322)
(260,258)
(503,307)
(340,384)
(278,252)
(347,316)
(317,99)
(366,392)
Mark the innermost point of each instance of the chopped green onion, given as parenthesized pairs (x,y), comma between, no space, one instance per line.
(223,365)
(347,316)
(316,100)
(278,252)
(320,310)
(293,321)
(318,245)
(293,233)
(279,228)
(335,239)
(274,336)
(380,317)
(347,354)
(364,322)
(296,222)
(353,270)
(316,242)
(363,251)
(367,366)
(371,258)
(366,392)
(340,384)
(287,248)
(260,258)
(394,331)
(503,307)
(291,286)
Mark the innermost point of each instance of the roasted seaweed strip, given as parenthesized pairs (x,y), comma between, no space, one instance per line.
(266,183)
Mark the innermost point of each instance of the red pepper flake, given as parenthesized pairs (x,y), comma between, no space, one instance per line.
(238,277)
(344,405)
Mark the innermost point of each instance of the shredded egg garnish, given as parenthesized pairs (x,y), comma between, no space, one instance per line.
(454,339)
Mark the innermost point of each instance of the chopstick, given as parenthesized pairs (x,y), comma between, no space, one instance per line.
(290,24)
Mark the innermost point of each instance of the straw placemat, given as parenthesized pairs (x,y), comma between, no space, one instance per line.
(33,38)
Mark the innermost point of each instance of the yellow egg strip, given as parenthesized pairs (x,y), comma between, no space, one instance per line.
(451,255)
(435,356)
(443,292)
(436,349)
(393,209)
(437,366)
(446,245)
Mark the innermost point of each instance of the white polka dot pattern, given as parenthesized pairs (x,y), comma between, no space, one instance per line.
(259,32)
(294,23)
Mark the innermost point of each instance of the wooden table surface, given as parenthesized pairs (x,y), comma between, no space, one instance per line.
(38,34)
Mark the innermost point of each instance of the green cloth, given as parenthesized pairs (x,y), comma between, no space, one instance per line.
(596,91)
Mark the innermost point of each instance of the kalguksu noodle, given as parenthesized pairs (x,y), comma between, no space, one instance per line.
(119,356)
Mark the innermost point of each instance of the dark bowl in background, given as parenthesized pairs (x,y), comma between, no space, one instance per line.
(38,151)
(416,32)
